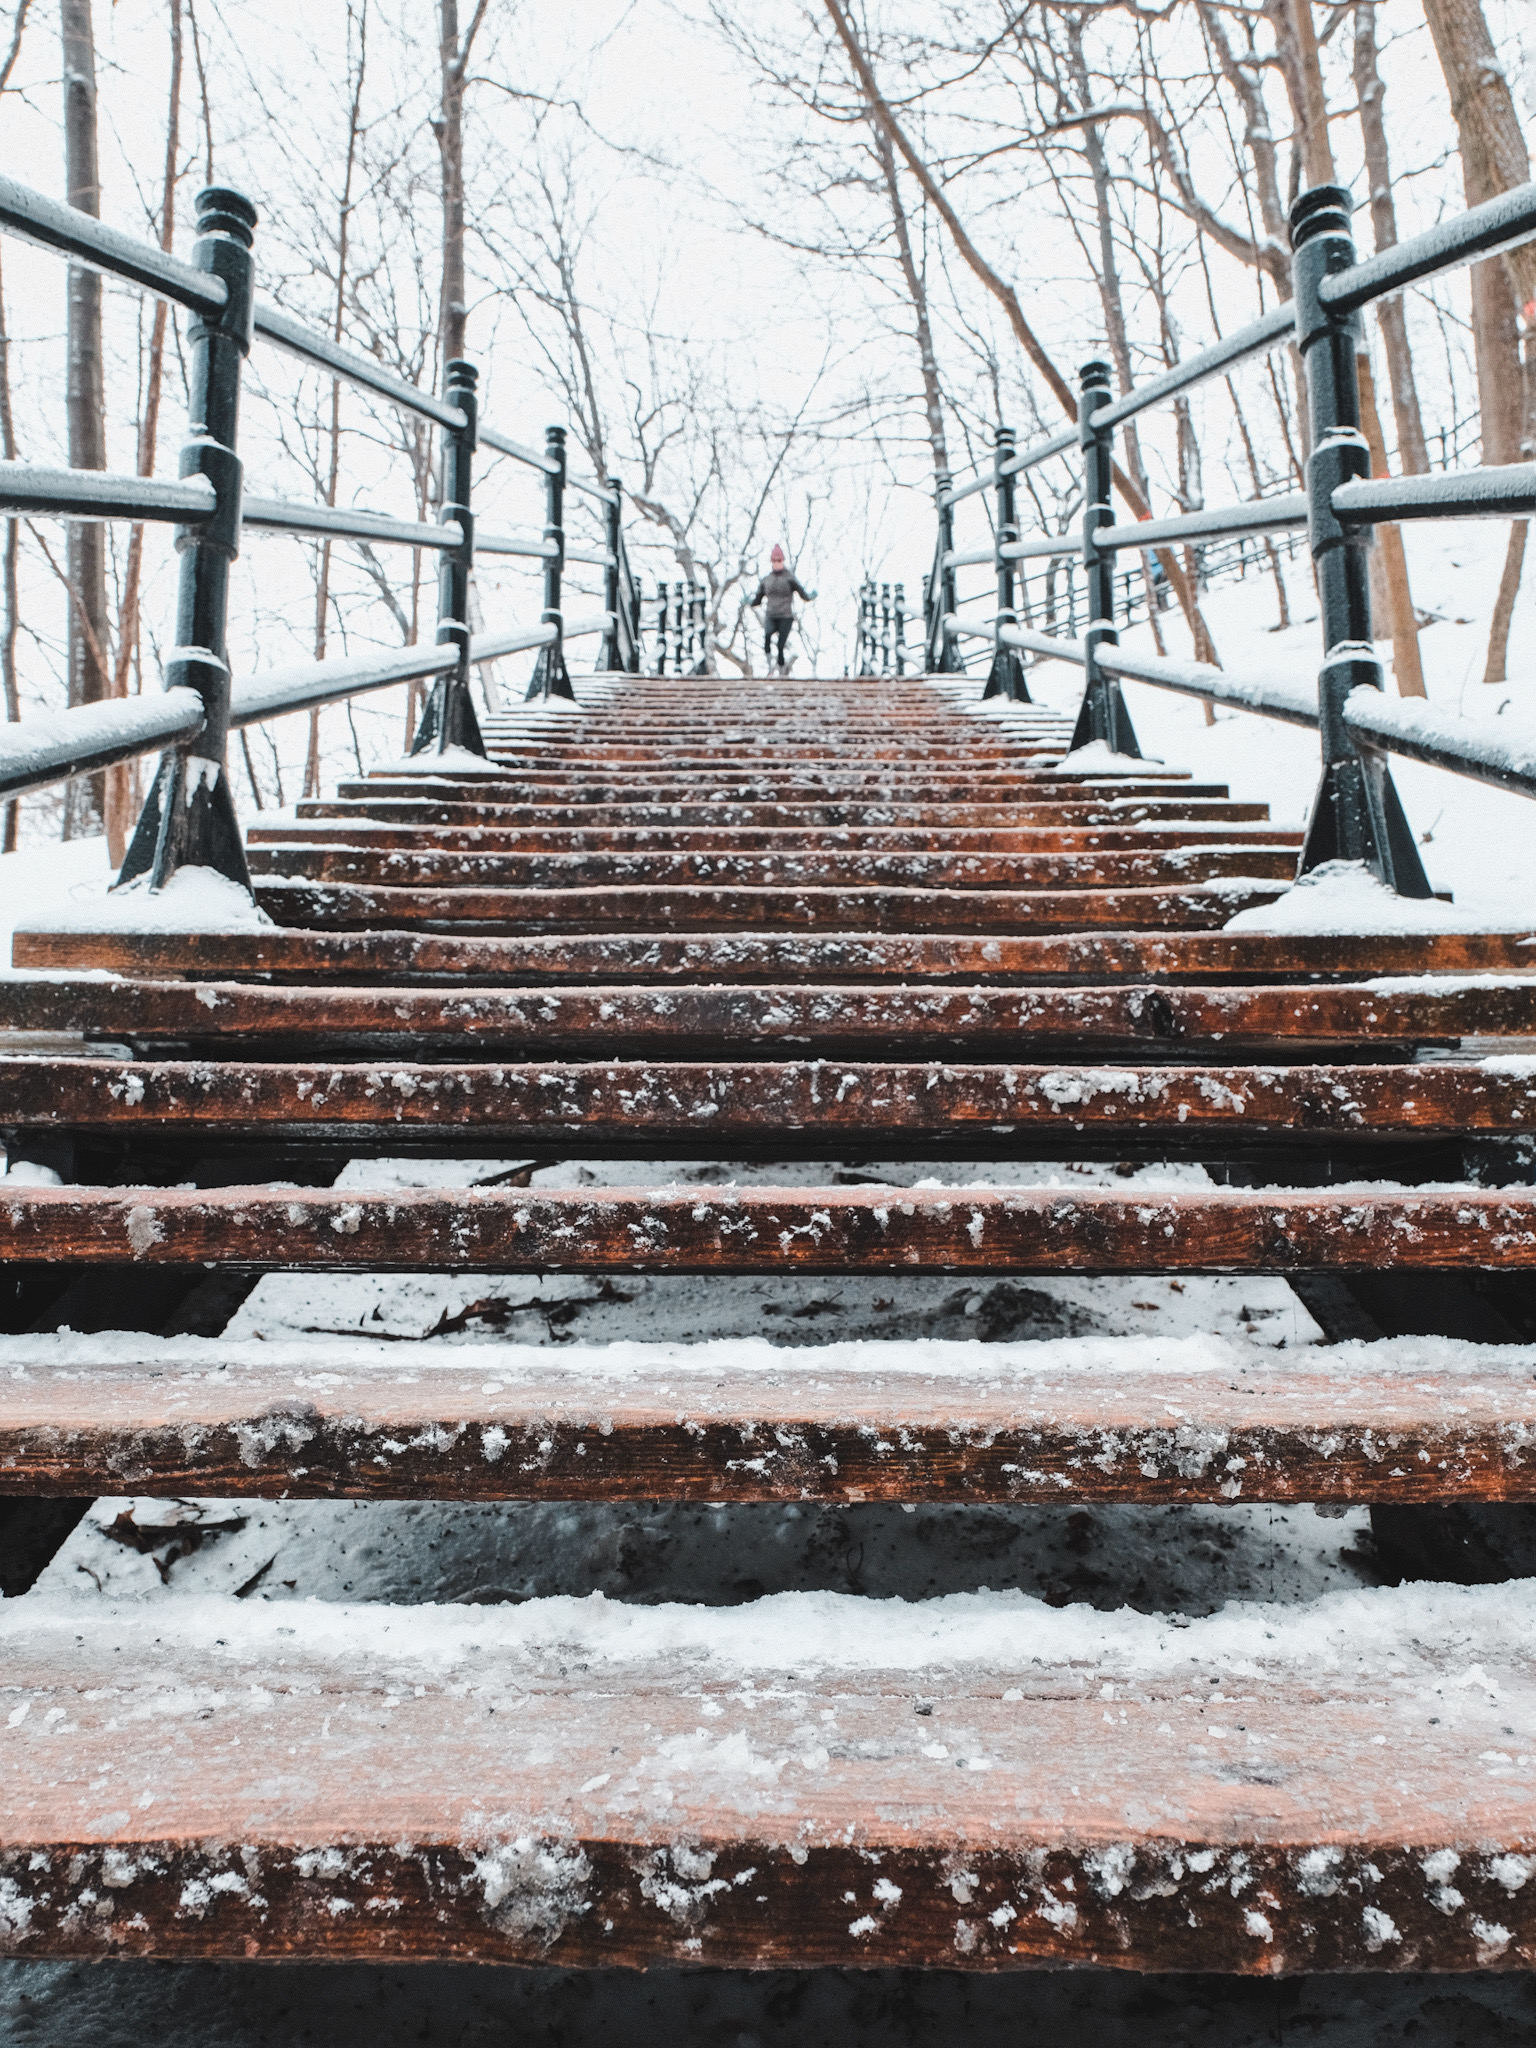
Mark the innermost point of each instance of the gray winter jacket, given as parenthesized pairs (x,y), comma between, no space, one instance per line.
(780,590)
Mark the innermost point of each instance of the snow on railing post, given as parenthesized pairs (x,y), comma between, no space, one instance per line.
(610,654)
(943,646)
(1356,814)
(1103,716)
(1005,678)
(189,819)
(449,718)
(661,628)
(551,678)
(885,629)
(900,624)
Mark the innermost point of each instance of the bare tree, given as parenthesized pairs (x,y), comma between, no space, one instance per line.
(12,624)
(453,60)
(357,39)
(85,573)
(1370,95)
(122,784)
(1493,158)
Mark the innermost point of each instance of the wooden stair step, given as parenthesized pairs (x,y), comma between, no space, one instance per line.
(807,1781)
(809,818)
(332,905)
(1171,1020)
(642,1103)
(1047,1423)
(879,789)
(950,841)
(422,864)
(835,958)
(766,1230)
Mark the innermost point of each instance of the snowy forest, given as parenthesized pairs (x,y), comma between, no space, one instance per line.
(772,269)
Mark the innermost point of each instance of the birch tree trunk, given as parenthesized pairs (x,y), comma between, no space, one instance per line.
(85,797)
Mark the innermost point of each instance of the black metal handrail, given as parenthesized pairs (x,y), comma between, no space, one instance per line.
(1357,814)
(189,816)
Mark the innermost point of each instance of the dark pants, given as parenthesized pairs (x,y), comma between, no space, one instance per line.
(781,628)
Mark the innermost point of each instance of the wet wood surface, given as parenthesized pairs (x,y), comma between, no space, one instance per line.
(411,1427)
(767,1230)
(934,1020)
(544,1104)
(448,1786)
(1104,956)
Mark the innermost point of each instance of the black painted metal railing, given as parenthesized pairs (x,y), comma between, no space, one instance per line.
(881,648)
(189,816)
(1357,814)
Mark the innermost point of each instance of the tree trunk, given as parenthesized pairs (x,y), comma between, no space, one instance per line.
(1412,456)
(85,797)
(450,142)
(917,291)
(122,800)
(1493,159)
(1388,551)
(12,537)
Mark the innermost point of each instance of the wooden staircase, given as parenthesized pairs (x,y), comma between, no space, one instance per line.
(767,922)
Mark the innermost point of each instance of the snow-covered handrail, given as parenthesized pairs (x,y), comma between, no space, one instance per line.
(1356,722)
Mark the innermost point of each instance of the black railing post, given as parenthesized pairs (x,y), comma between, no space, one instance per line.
(551,678)
(189,819)
(885,629)
(679,602)
(867,627)
(1103,716)
(943,648)
(632,582)
(449,719)
(900,622)
(611,655)
(661,627)
(1356,815)
(1005,678)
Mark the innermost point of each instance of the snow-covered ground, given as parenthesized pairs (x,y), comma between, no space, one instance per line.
(1477,842)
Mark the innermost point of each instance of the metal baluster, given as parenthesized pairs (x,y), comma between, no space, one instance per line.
(943,645)
(901,629)
(661,628)
(1356,815)
(610,655)
(551,678)
(677,629)
(1103,716)
(188,819)
(449,719)
(1005,678)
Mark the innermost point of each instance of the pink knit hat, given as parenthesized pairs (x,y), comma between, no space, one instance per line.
(777,555)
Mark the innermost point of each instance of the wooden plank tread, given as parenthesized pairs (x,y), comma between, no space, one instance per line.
(980,1783)
(698,1101)
(1047,1422)
(1173,1019)
(764,1230)
(842,957)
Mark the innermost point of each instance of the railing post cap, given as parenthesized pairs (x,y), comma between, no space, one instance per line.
(556,434)
(459,370)
(222,210)
(1094,372)
(1000,435)
(1321,210)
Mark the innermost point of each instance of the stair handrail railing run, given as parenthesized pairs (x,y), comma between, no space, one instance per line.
(189,817)
(880,639)
(1357,814)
